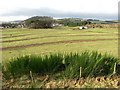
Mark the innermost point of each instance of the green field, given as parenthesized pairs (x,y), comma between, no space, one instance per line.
(59,42)
(19,42)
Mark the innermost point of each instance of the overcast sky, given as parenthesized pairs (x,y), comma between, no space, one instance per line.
(22,9)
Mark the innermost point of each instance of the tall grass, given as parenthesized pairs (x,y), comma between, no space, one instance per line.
(36,64)
(92,63)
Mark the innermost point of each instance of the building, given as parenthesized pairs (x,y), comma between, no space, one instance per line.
(56,24)
(1,27)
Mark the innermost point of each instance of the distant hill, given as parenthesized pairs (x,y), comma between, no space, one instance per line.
(16,21)
(94,21)
(38,18)
(75,20)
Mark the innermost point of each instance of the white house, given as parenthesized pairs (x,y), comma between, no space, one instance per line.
(56,24)
(1,27)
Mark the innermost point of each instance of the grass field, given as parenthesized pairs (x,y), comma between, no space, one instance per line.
(19,42)
(47,70)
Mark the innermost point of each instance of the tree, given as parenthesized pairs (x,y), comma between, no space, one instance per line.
(39,22)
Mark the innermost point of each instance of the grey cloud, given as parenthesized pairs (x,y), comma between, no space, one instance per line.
(57,13)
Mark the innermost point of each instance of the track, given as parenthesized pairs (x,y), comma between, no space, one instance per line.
(58,42)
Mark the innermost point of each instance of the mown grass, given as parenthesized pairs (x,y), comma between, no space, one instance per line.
(65,34)
(92,63)
(53,39)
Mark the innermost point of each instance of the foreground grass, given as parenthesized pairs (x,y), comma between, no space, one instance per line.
(93,64)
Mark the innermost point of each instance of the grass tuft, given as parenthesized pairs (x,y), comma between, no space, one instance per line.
(92,63)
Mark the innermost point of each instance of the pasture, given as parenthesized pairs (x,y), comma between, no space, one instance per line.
(56,55)
(19,42)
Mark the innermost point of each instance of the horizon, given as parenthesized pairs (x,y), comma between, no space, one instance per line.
(64,18)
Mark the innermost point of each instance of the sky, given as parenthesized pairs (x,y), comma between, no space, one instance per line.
(11,10)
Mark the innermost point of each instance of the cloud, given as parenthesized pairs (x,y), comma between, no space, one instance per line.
(57,13)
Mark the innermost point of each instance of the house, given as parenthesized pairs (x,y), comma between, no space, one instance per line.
(1,27)
(56,24)
(21,26)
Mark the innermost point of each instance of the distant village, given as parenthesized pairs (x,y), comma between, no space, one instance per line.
(48,22)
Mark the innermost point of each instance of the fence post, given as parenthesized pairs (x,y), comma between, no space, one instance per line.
(80,72)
